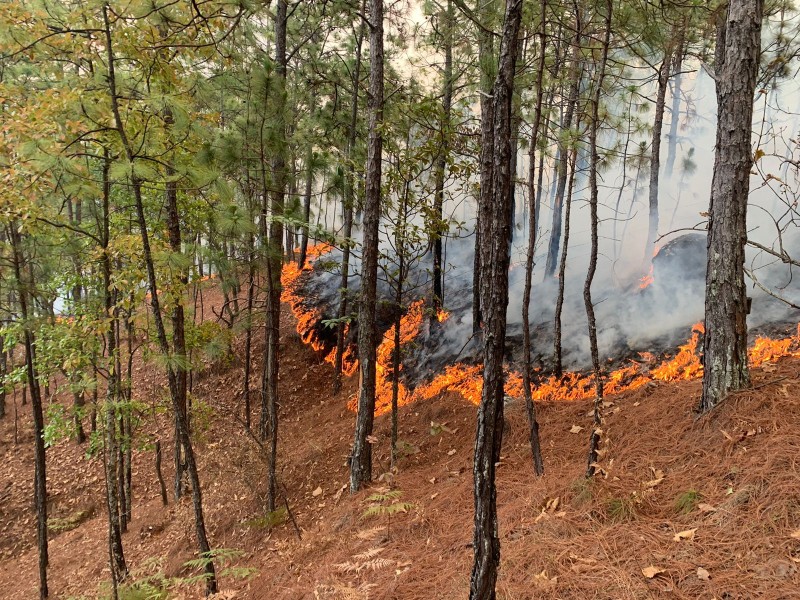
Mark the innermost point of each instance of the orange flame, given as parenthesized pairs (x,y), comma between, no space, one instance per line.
(685,364)
(467,380)
(646,280)
(308,319)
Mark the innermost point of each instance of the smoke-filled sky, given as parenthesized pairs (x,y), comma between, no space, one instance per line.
(630,319)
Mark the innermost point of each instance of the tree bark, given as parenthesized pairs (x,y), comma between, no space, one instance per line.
(178,321)
(655,159)
(40,477)
(594,162)
(558,368)
(725,342)
(181,420)
(558,204)
(495,225)
(275,257)
(533,425)
(349,201)
(441,162)
(361,458)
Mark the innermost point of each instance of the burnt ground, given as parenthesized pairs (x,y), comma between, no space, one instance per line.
(728,483)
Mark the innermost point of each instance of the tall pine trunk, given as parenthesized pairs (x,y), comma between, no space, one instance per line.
(725,342)
(494,221)
(533,425)
(594,165)
(361,458)
(655,159)
(275,255)
(441,162)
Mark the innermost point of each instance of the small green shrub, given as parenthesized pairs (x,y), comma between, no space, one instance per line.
(687,501)
(269,520)
(622,510)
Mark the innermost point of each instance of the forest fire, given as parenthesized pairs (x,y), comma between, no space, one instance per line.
(647,280)
(308,320)
(467,380)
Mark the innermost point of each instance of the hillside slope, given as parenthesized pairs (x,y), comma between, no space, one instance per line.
(727,485)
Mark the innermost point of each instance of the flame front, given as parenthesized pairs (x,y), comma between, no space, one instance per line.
(467,380)
(308,319)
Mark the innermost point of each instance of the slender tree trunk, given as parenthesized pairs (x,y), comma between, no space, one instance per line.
(248,342)
(655,160)
(348,201)
(594,158)
(178,322)
(536,451)
(558,369)
(725,342)
(495,224)
(441,162)
(675,109)
(301,259)
(181,420)
(275,258)
(3,373)
(558,204)
(40,477)
(361,458)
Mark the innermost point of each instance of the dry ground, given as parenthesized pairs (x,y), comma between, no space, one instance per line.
(728,483)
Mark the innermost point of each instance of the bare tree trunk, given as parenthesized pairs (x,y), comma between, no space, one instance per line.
(361,458)
(587,286)
(348,201)
(558,204)
(275,258)
(675,109)
(495,224)
(441,161)
(178,323)
(3,373)
(487,61)
(725,342)
(301,259)
(40,477)
(172,378)
(558,369)
(655,159)
(536,450)
(248,342)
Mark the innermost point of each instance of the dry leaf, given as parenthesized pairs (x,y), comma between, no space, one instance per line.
(702,574)
(451,452)
(706,508)
(653,483)
(372,439)
(796,535)
(317,492)
(552,504)
(687,534)
(651,571)
(576,429)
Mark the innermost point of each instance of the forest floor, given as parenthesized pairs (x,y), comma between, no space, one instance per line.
(688,508)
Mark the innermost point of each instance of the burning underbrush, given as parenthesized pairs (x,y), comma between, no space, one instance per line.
(417,331)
